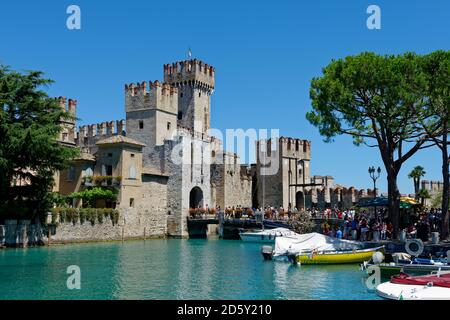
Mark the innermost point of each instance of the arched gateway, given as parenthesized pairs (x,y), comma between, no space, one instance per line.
(196,198)
(299,200)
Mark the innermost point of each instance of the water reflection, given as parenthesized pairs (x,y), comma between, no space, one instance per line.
(171,269)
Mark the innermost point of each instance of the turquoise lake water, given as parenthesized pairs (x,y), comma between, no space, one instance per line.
(171,269)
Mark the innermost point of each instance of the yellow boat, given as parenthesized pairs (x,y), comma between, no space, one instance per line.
(337,257)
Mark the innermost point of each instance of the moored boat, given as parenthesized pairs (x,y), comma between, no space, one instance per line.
(336,257)
(407,264)
(406,287)
(267,235)
(315,248)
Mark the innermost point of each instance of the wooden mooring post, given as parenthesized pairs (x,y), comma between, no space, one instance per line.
(144,233)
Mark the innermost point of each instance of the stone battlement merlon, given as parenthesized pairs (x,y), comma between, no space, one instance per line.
(68,105)
(190,72)
(106,128)
(133,89)
(151,95)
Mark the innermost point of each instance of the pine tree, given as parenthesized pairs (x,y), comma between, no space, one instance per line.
(30,122)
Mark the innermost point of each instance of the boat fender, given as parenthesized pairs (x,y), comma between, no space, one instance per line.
(414,247)
(377,257)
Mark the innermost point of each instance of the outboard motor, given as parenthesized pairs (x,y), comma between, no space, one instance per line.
(292,257)
(267,252)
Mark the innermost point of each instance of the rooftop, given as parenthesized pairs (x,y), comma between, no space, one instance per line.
(119,139)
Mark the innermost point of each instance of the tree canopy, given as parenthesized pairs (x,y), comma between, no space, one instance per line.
(437,71)
(379,101)
(30,154)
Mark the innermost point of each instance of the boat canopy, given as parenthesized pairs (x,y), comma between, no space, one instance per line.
(312,241)
(405,202)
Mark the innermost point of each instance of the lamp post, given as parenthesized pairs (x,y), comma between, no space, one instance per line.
(374,174)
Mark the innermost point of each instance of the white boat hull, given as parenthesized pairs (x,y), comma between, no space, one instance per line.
(257,238)
(395,291)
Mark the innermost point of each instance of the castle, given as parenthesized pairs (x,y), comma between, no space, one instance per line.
(165,162)
(434,188)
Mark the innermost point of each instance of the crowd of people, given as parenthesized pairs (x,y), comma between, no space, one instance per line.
(358,226)
(349,223)
(366,227)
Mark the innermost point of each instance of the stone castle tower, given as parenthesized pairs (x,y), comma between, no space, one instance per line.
(68,133)
(195,83)
(151,113)
(171,118)
(282,165)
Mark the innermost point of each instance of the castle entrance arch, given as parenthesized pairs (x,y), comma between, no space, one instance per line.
(196,198)
(300,201)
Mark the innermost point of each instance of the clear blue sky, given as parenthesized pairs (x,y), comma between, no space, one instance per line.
(265,53)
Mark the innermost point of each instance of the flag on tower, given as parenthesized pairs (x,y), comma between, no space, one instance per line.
(190,53)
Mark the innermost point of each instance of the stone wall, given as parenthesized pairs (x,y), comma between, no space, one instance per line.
(133,223)
(20,233)
(231,183)
(139,222)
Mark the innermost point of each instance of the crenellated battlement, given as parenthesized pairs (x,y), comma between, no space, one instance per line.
(288,147)
(151,95)
(88,134)
(194,73)
(135,89)
(68,105)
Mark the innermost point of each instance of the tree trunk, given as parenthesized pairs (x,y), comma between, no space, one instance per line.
(416,187)
(446,189)
(393,202)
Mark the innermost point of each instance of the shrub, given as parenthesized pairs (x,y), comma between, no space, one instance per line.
(55,213)
(91,215)
(303,224)
(114,216)
(100,215)
(82,214)
(62,215)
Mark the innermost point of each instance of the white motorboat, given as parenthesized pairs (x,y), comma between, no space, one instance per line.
(405,287)
(267,235)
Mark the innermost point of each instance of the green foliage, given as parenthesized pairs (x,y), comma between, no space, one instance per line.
(423,194)
(415,174)
(367,96)
(436,200)
(302,223)
(90,196)
(29,151)
(437,72)
(58,200)
(380,101)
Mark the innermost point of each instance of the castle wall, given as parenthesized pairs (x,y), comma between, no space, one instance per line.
(88,135)
(434,188)
(232,182)
(269,182)
(187,162)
